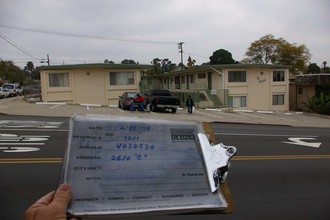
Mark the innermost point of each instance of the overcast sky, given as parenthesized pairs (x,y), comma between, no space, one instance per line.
(90,31)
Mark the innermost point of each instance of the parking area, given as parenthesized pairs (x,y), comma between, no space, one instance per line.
(17,106)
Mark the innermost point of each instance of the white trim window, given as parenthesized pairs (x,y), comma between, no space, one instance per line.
(58,80)
(121,78)
(278,76)
(236,76)
(278,99)
(201,75)
(237,101)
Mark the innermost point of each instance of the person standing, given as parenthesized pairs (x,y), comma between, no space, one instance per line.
(141,99)
(147,104)
(190,104)
(131,104)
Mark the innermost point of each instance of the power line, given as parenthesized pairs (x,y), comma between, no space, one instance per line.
(196,55)
(87,36)
(18,47)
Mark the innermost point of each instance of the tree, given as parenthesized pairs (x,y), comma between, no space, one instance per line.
(221,56)
(325,68)
(108,61)
(167,65)
(295,55)
(269,50)
(319,104)
(29,66)
(264,51)
(161,66)
(11,73)
(191,62)
(126,61)
(157,67)
(31,72)
(313,68)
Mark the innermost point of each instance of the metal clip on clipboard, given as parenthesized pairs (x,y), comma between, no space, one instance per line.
(216,158)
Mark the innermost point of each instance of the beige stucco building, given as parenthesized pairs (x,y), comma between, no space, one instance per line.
(99,84)
(303,87)
(238,86)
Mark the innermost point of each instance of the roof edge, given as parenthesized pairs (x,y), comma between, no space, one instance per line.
(96,65)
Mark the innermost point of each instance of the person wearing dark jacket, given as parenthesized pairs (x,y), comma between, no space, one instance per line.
(190,104)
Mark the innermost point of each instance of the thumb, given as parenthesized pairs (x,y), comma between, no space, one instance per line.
(62,196)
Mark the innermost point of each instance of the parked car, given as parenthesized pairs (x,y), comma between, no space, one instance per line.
(124,100)
(14,89)
(162,99)
(4,93)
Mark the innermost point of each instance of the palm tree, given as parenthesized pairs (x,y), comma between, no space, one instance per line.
(324,65)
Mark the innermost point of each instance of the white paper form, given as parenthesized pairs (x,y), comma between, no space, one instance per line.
(119,165)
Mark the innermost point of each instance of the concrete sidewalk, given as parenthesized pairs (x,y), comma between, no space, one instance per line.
(17,106)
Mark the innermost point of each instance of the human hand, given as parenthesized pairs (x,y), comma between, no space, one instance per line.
(51,206)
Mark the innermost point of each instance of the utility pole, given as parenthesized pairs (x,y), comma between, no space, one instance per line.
(48,59)
(181,51)
(45,61)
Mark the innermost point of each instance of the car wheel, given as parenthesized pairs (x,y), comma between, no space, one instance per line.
(173,110)
(125,107)
(152,108)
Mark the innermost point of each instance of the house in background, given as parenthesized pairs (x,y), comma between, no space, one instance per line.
(303,87)
(239,86)
(99,84)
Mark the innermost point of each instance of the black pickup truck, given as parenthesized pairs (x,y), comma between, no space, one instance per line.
(161,99)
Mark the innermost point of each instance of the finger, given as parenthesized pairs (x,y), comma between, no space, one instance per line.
(62,196)
(45,200)
(42,202)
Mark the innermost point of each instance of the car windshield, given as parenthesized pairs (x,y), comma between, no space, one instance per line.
(8,86)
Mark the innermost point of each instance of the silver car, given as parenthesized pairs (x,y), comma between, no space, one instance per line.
(4,93)
(14,89)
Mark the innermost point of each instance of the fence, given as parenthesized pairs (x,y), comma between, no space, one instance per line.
(204,98)
(32,91)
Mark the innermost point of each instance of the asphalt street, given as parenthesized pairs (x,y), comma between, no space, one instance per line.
(281,169)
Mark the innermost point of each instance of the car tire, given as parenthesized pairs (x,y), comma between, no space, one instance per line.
(152,107)
(173,110)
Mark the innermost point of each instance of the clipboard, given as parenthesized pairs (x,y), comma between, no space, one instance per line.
(224,187)
(131,166)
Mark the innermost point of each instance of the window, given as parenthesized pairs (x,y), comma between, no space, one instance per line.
(301,91)
(121,78)
(192,78)
(278,76)
(58,79)
(236,76)
(183,81)
(278,99)
(201,75)
(237,101)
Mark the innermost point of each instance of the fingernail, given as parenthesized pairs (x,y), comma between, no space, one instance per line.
(64,187)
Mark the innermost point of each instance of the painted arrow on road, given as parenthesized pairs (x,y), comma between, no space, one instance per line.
(299,141)
(19,149)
